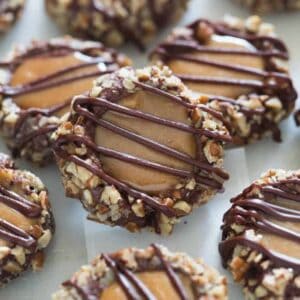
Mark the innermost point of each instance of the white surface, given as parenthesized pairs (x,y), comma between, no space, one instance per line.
(76,240)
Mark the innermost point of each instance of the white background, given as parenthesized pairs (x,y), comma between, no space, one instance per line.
(76,240)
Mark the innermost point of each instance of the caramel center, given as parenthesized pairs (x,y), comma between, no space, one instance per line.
(36,68)
(183,67)
(140,177)
(157,282)
(8,213)
(283,244)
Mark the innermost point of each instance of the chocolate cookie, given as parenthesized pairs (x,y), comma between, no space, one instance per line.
(38,83)
(10,11)
(151,273)
(261,241)
(114,22)
(26,221)
(139,151)
(266,6)
(239,68)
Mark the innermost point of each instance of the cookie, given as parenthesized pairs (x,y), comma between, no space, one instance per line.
(261,242)
(266,6)
(37,84)
(26,221)
(239,67)
(139,151)
(10,11)
(115,22)
(151,273)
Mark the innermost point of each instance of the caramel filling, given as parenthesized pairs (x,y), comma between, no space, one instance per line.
(140,177)
(282,244)
(156,281)
(8,213)
(16,218)
(36,68)
(183,67)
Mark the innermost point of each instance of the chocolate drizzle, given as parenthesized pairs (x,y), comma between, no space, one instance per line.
(258,213)
(15,201)
(16,235)
(132,286)
(10,232)
(204,173)
(271,81)
(86,55)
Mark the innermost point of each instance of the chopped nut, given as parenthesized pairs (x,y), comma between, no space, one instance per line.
(44,240)
(183,206)
(138,208)
(38,261)
(204,32)
(4,251)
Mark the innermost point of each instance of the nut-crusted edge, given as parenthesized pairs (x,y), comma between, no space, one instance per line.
(275,281)
(206,282)
(10,12)
(104,202)
(17,259)
(266,111)
(267,6)
(38,149)
(114,22)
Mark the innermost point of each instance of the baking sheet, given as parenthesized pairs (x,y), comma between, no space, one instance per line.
(76,240)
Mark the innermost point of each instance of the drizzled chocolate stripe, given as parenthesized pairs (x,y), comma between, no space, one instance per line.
(16,235)
(281,193)
(29,88)
(237,68)
(10,232)
(19,203)
(131,285)
(226,248)
(257,213)
(223,29)
(175,280)
(195,46)
(88,293)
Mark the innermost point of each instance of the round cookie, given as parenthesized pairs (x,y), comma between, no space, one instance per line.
(26,221)
(10,11)
(139,151)
(115,22)
(37,85)
(266,6)
(239,67)
(151,273)
(261,242)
